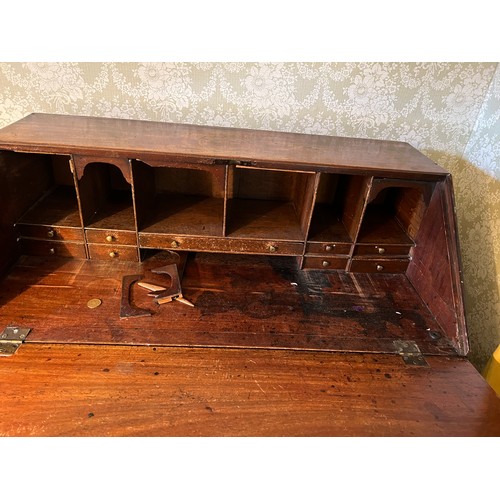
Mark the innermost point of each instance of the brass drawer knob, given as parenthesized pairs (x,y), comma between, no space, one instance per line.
(329,248)
(52,251)
(113,254)
(273,248)
(51,233)
(174,244)
(381,250)
(110,238)
(379,267)
(325,263)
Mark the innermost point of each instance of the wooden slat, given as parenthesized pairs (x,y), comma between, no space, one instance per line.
(142,139)
(74,390)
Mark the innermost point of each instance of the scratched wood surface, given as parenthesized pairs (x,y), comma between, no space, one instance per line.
(143,139)
(240,301)
(75,390)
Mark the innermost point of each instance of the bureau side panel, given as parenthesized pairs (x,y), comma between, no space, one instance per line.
(435,268)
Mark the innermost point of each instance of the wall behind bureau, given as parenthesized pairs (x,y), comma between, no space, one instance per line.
(450,111)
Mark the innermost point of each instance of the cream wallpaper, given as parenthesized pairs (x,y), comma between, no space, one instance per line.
(450,111)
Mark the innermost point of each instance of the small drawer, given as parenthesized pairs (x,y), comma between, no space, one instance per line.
(328,248)
(379,265)
(113,252)
(213,244)
(57,248)
(316,262)
(111,237)
(382,250)
(50,232)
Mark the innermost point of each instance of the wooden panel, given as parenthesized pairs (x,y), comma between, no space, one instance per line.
(52,248)
(240,301)
(328,248)
(326,262)
(113,252)
(141,139)
(103,236)
(359,265)
(79,390)
(435,269)
(381,250)
(50,232)
(355,196)
(173,242)
(263,219)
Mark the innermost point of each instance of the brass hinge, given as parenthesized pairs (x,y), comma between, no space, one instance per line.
(409,351)
(11,338)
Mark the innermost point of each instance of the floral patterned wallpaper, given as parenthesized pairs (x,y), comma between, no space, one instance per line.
(450,111)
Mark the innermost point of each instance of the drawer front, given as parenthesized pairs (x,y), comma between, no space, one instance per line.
(328,248)
(113,252)
(324,262)
(382,250)
(50,232)
(111,237)
(224,245)
(379,265)
(57,248)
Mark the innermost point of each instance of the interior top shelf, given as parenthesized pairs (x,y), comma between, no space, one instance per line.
(185,214)
(263,219)
(381,226)
(327,227)
(59,207)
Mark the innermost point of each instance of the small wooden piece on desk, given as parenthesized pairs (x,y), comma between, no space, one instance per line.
(151,287)
(179,298)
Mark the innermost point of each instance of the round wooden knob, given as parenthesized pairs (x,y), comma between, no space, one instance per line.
(113,254)
(381,250)
(272,248)
(110,238)
(325,263)
(52,251)
(329,248)
(174,244)
(51,233)
(379,267)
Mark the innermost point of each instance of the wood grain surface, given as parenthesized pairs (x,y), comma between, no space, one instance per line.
(65,134)
(75,390)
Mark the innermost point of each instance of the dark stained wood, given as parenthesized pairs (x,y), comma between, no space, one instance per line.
(141,139)
(324,262)
(80,162)
(74,390)
(379,265)
(47,248)
(55,233)
(328,248)
(240,301)
(435,269)
(103,236)
(185,215)
(381,250)
(354,201)
(381,227)
(263,219)
(113,252)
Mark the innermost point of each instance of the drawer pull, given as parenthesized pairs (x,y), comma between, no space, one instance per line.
(110,238)
(273,248)
(52,251)
(329,248)
(113,254)
(379,267)
(174,244)
(325,263)
(50,233)
(381,250)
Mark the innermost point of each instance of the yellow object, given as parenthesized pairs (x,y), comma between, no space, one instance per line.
(492,371)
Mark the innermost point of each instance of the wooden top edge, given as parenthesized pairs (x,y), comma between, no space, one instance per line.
(68,134)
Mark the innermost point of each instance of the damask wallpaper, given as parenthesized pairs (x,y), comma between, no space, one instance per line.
(450,111)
